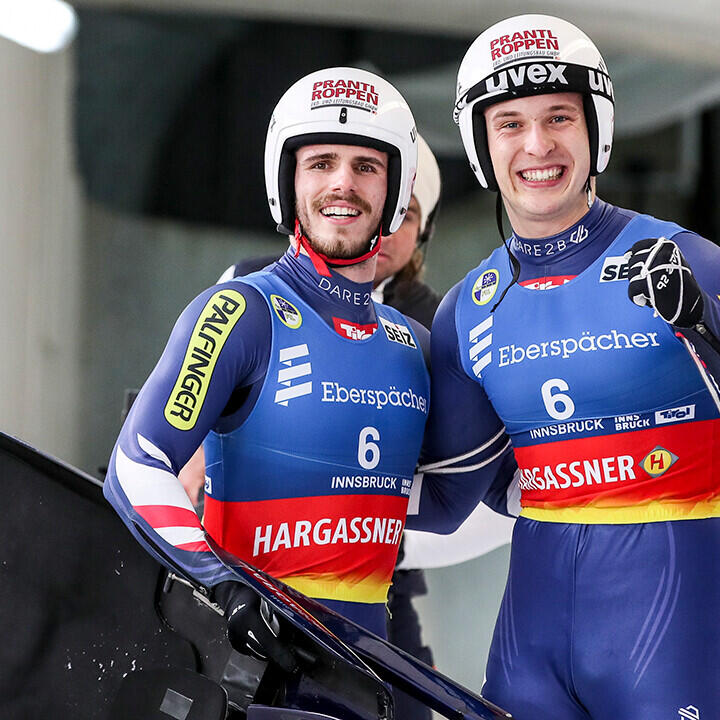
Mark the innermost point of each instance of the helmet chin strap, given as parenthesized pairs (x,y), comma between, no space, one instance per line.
(320,262)
(589,192)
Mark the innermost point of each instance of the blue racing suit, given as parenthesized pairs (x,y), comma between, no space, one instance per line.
(599,424)
(315,399)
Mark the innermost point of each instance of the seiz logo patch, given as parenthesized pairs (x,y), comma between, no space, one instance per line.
(353,93)
(353,331)
(289,315)
(485,287)
(213,326)
(528,43)
(678,414)
(615,268)
(658,461)
(296,361)
(398,333)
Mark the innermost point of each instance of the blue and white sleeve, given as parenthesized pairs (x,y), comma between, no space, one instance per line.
(467,455)
(220,342)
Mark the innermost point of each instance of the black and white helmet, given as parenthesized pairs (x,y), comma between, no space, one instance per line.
(345,106)
(532,55)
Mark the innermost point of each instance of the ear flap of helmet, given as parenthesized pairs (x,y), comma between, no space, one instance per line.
(473,149)
(394,174)
(592,128)
(481,148)
(286,186)
(605,118)
(599,119)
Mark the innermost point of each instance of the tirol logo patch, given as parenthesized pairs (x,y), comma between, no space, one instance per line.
(353,331)
(485,287)
(348,93)
(677,414)
(213,326)
(289,315)
(527,43)
(658,461)
(398,333)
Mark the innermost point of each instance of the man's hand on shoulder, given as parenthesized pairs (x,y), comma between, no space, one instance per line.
(252,626)
(661,278)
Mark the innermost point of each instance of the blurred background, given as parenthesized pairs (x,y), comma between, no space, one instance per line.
(131,176)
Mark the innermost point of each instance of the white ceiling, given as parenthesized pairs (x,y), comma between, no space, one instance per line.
(663,55)
(686,30)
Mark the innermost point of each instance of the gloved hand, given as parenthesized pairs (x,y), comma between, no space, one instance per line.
(660,277)
(252,626)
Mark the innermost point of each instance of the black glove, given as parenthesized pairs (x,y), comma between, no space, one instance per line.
(660,277)
(252,626)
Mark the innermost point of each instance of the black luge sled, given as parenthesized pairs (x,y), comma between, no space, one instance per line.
(391,664)
(77,609)
(94,628)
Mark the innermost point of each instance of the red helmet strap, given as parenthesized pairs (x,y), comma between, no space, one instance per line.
(320,262)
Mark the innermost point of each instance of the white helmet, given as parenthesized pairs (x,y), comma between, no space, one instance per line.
(427,188)
(344,106)
(532,55)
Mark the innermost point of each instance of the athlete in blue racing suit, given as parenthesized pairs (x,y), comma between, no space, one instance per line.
(281,362)
(611,412)
(315,397)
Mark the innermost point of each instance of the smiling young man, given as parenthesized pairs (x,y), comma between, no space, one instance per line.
(541,148)
(312,397)
(396,283)
(573,379)
(340,192)
(401,257)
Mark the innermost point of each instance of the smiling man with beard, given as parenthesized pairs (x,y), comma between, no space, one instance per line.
(246,365)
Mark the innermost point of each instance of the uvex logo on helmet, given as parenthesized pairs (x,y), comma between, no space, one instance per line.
(599,82)
(556,76)
(520,75)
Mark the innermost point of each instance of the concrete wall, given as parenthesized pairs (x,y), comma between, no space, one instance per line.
(41,259)
(141,273)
